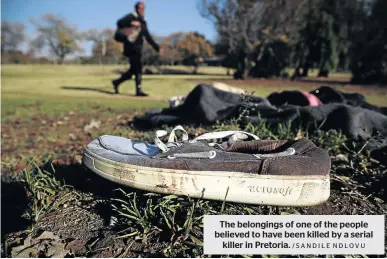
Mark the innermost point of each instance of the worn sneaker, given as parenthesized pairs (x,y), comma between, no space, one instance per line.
(218,165)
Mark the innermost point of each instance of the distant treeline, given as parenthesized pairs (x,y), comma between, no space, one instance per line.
(63,43)
(257,38)
(263,37)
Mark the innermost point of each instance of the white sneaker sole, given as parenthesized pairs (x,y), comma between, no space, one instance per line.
(240,187)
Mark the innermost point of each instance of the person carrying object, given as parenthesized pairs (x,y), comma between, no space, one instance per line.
(131,30)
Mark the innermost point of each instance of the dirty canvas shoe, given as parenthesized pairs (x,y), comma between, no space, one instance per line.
(217,165)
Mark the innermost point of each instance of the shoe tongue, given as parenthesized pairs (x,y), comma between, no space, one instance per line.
(225,145)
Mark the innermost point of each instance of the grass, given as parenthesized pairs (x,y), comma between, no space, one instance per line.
(172,225)
(36,98)
(30,90)
(43,190)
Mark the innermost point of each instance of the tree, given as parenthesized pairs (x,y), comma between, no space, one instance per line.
(171,53)
(241,25)
(60,38)
(323,35)
(236,24)
(271,56)
(149,55)
(329,35)
(193,48)
(105,48)
(315,45)
(368,51)
(221,49)
(12,35)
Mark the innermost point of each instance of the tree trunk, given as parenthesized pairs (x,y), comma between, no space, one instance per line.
(60,60)
(195,71)
(305,69)
(297,73)
(323,73)
(246,67)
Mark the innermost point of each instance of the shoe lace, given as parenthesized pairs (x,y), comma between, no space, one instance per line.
(172,139)
(212,139)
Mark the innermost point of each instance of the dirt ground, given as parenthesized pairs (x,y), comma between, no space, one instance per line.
(85,209)
(53,206)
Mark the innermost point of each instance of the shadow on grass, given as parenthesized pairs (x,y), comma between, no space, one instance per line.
(14,202)
(86,88)
(250,80)
(84,180)
(322,81)
(91,89)
(169,71)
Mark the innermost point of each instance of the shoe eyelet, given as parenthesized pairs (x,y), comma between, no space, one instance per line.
(213,154)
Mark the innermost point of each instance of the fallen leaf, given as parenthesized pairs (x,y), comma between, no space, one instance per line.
(342,157)
(72,137)
(78,159)
(46,244)
(92,125)
(299,135)
(76,246)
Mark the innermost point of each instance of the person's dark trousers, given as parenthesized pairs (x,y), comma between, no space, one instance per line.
(136,70)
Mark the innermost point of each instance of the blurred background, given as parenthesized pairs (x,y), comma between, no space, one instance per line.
(252,38)
(59,58)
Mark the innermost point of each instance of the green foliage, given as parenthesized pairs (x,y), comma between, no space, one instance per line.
(193,46)
(176,219)
(317,41)
(323,34)
(271,56)
(331,140)
(173,225)
(42,189)
(368,51)
(12,35)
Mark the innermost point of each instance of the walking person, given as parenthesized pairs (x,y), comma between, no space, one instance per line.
(131,31)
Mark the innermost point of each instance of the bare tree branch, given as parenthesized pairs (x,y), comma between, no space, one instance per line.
(12,35)
(60,38)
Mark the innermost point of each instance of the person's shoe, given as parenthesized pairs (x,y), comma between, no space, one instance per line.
(115,86)
(141,93)
(272,172)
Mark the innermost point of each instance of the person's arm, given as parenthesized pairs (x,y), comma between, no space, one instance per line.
(149,38)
